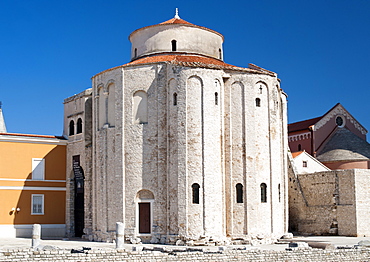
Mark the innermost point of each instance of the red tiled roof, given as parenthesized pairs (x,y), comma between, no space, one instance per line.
(28,135)
(188,60)
(295,154)
(176,21)
(302,125)
(177,59)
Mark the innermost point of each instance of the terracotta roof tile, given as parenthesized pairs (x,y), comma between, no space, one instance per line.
(295,154)
(185,59)
(188,60)
(176,21)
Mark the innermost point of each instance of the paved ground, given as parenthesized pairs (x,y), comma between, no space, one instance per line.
(22,243)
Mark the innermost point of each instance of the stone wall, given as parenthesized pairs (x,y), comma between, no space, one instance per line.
(330,203)
(186,255)
(148,149)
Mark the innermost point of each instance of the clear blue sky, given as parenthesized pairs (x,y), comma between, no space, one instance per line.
(49,50)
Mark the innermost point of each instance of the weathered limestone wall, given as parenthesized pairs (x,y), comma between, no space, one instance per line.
(330,203)
(75,107)
(108,185)
(228,255)
(362,195)
(178,126)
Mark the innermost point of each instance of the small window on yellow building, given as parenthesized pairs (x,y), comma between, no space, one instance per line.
(38,169)
(37,204)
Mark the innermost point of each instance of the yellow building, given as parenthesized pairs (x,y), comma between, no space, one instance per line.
(32,184)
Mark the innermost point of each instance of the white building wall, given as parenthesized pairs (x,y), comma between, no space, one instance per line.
(157,39)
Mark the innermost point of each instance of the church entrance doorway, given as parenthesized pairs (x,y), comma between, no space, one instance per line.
(144,218)
(144,212)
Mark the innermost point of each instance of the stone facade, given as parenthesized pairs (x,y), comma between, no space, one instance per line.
(183,146)
(330,202)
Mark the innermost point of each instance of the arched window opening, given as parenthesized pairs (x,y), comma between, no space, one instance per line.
(195,187)
(279,192)
(216,98)
(258,102)
(111,105)
(175,99)
(135,52)
(260,89)
(174,45)
(263,193)
(79,126)
(71,128)
(239,193)
(219,53)
(299,147)
(140,108)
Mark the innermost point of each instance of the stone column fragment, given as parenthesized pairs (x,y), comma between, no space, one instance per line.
(36,235)
(120,235)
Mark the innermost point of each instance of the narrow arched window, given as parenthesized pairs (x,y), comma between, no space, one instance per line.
(258,102)
(263,193)
(175,99)
(195,187)
(219,53)
(299,147)
(71,128)
(279,192)
(174,45)
(79,126)
(140,107)
(216,98)
(239,193)
(135,53)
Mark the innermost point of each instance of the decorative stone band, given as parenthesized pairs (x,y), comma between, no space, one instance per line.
(299,137)
(339,110)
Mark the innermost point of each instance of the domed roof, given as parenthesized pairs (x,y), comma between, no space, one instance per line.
(345,146)
(176,20)
(175,36)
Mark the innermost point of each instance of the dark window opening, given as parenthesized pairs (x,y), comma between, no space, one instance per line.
(258,102)
(263,193)
(339,121)
(216,98)
(195,187)
(174,45)
(279,193)
(304,163)
(239,193)
(71,128)
(135,55)
(220,53)
(175,99)
(79,126)
(299,147)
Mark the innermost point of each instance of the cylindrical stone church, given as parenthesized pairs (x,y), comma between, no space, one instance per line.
(178,145)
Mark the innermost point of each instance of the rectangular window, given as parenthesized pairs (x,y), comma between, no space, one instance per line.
(304,163)
(37,204)
(38,168)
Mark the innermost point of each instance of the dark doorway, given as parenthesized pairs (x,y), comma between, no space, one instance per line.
(144,218)
(79,212)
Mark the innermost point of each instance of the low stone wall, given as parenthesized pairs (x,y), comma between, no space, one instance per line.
(96,255)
